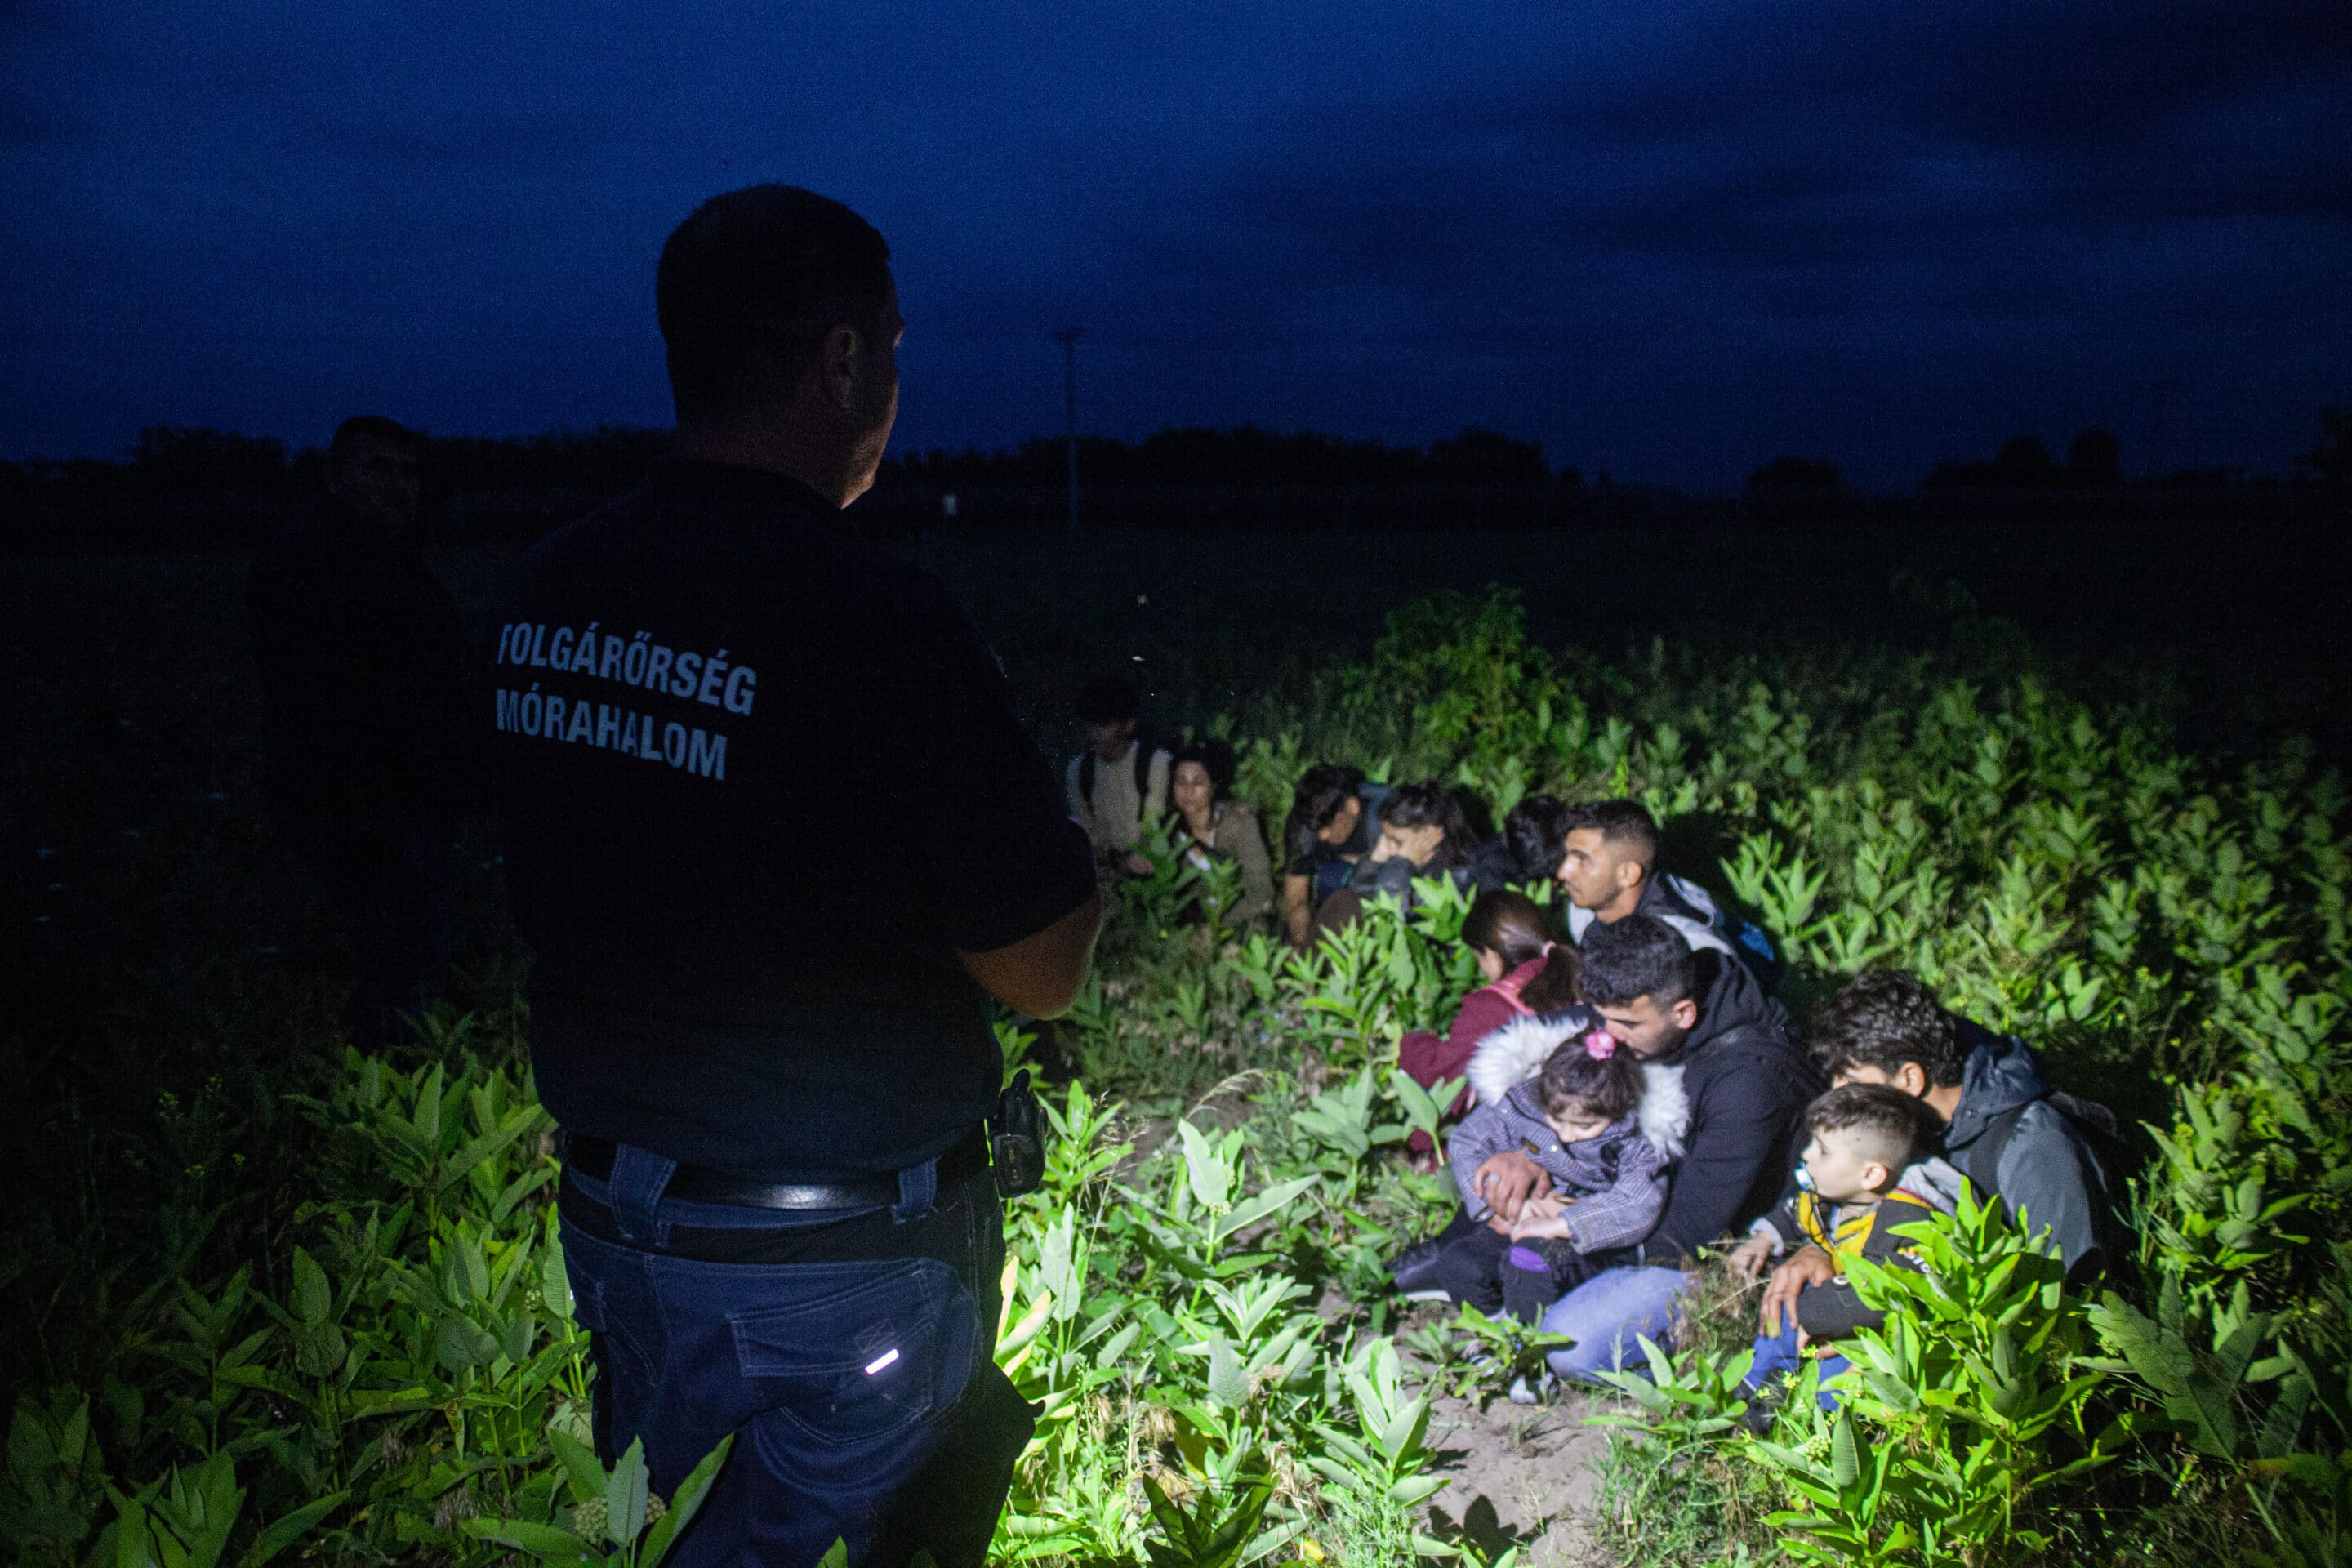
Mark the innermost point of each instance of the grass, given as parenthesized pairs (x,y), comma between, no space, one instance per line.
(173,979)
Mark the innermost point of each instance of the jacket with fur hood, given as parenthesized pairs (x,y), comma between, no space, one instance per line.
(1617,1180)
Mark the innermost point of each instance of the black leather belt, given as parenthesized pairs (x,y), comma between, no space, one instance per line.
(699,1183)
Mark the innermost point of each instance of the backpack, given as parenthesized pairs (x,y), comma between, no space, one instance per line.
(1141,761)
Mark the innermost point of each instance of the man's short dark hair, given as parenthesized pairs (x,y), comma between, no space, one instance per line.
(1627,960)
(1109,699)
(1627,824)
(1893,1125)
(748,287)
(1882,1019)
(372,427)
(1325,788)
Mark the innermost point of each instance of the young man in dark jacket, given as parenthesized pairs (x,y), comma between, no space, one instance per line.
(370,748)
(1608,867)
(1746,1087)
(2002,1128)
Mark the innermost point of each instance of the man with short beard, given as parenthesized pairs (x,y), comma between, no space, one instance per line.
(2004,1127)
(1746,1088)
(370,740)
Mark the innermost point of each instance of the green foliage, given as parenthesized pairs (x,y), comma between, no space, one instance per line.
(368,1353)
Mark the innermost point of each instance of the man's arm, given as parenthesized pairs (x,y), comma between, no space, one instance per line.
(1506,1181)
(1807,1266)
(1294,912)
(1733,1131)
(2041,1179)
(1041,973)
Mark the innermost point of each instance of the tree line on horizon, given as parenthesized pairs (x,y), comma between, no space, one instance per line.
(182,460)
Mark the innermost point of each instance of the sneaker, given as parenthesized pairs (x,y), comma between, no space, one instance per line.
(1415,1270)
(1537,1393)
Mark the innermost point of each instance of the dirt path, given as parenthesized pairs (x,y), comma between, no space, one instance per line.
(1521,1474)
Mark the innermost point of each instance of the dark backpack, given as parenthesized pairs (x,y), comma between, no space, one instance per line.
(1141,761)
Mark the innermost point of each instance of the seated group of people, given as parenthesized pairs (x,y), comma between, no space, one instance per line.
(1347,838)
(1634,1094)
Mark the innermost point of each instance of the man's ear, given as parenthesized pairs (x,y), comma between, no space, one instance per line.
(1684,1013)
(839,360)
(1912,1079)
(1629,872)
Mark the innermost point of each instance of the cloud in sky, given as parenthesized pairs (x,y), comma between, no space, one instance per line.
(1667,241)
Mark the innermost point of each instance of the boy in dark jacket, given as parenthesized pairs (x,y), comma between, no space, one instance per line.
(1858,1185)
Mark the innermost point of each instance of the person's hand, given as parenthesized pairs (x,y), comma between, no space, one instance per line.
(1386,849)
(1137,864)
(1750,1256)
(1507,1180)
(1544,1205)
(1540,1221)
(1811,1265)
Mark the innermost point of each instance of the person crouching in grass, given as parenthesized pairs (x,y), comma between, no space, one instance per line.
(1579,1120)
(1858,1185)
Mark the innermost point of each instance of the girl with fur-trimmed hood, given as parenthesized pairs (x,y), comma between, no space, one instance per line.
(1601,1125)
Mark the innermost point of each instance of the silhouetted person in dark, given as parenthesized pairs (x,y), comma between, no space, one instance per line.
(368,727)
(788,1137)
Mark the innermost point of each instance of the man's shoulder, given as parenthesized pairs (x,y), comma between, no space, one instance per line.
(1753,1051)
(654,535)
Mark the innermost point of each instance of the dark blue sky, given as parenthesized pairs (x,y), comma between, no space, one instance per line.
(1667,241)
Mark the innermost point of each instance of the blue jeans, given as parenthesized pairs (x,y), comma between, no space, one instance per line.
(1777,1356)
(1605,1313)
(849,1353)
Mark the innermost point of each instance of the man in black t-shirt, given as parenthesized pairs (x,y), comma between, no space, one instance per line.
(1335,821)
(768,1047)
(369,744)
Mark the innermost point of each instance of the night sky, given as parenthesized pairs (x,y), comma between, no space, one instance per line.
(1667,241)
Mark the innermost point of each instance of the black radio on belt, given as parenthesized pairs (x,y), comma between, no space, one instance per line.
(1017,1139)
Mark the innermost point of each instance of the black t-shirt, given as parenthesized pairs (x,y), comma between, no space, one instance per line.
(369,720)
(759,782)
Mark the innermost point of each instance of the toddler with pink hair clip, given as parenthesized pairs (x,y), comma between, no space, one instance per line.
(1579,1118)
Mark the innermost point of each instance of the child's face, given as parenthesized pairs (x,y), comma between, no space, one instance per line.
(1574,1122)
(1842,1171)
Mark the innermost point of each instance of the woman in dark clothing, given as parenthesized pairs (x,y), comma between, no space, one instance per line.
(1423,833)
(1526,974)
(1214,827)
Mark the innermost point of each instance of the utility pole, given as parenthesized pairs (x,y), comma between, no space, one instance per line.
(1069,338)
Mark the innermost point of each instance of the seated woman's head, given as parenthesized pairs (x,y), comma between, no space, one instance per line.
(1586,1085)
(1200,775)
(1507,928)
(1424,823)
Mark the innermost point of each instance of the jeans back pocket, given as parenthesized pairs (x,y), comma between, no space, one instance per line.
(846,1353)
